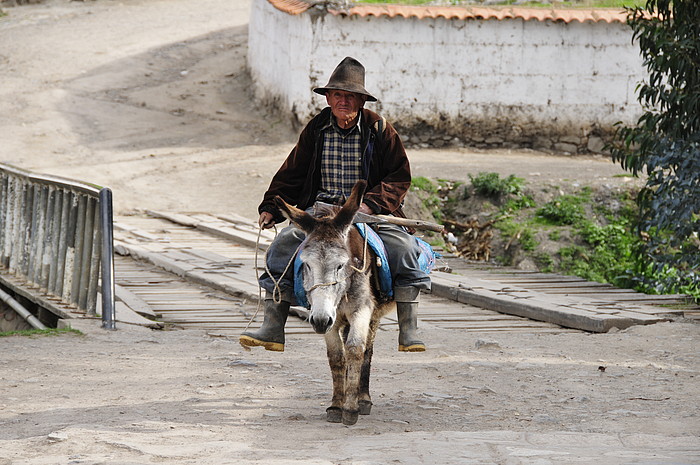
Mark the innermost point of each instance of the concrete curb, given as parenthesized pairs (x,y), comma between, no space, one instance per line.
(569,312)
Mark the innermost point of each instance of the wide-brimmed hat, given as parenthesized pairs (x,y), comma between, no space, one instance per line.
(349,76)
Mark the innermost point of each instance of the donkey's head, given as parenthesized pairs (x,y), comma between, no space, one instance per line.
(327,259)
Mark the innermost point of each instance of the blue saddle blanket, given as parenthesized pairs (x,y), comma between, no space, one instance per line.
(426,260)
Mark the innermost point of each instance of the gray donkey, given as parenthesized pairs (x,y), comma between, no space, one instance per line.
(337,277)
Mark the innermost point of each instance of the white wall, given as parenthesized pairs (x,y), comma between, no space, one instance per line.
(524,82)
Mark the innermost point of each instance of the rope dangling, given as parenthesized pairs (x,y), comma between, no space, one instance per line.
(257,275)
(276,291)
(365,262)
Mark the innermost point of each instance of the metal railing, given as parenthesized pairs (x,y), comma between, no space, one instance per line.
(56,234)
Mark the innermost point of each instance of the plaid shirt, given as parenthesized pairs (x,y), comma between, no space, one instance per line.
(341,162)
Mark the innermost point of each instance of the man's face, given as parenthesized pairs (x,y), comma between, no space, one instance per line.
(344,105)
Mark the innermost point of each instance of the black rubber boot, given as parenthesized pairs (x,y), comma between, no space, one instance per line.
(271,333)
(407,312)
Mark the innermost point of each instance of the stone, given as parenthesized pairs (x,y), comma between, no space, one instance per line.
(527,264)
(57,436)
(487,343)
(565,147)
(542,143)
(595,144)
(437,395)
(242,363)
(574,140)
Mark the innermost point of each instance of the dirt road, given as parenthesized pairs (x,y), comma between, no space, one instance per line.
(149,97)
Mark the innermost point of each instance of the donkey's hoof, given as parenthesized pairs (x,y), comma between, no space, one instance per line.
(350,417)
(365,407)
(334,415)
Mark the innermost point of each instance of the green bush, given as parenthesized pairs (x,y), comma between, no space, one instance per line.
(665,143)
(424,184)
(491,185)
(564,210)
(522,233)
(518,203)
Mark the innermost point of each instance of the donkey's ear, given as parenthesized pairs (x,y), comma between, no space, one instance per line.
(344,217)
(299,217)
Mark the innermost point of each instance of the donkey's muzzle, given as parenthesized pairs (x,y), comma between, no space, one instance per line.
(321,324)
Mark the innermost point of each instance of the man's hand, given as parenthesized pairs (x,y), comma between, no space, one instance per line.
(365,209)
(265,221)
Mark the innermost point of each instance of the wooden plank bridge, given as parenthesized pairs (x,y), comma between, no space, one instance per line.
(196,270)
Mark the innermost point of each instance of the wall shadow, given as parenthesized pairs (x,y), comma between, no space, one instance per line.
(185,94)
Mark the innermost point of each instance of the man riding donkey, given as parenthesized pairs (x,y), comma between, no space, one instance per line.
(344,143)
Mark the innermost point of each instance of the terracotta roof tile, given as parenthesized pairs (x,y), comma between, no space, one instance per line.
(293,7)
(608,15)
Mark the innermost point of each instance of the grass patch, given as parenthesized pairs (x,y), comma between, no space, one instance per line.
(518,203)
(430,195)
(513,231)
(554,235)
(433,194)
(40,332)
(544,262)
(424,184)
(564,210)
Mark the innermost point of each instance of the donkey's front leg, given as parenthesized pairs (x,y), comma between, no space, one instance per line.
(365,400)
(354,357)
(336,360)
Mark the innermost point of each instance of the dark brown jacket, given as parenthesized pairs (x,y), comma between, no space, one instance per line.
(384,163)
